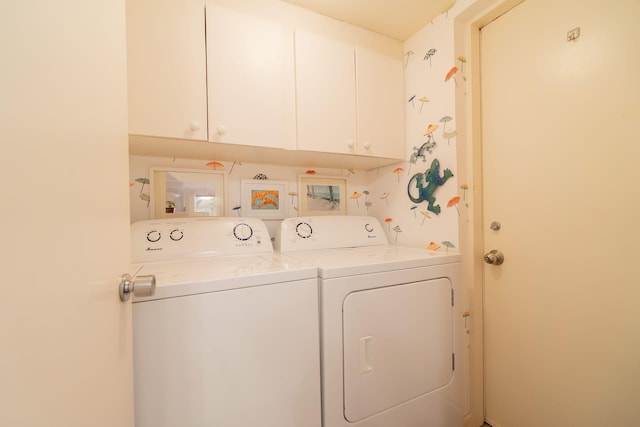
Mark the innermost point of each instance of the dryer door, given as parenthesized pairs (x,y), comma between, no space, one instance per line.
(398,345)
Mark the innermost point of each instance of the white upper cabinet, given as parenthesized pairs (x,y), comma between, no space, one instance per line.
(250,79)
(265,74)
(325,94)
(349,99)
(380,103)
(167,68)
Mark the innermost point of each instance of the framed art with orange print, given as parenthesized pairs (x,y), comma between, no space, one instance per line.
(263,198)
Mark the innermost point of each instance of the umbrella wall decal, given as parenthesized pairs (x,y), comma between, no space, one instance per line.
(145,197)
(429,54)
(447,244)
(398,171)
(430,129)
(237,209)
(454,202)
(464,188)
(450,74)
(444,121)
(450,135)
(356,196)
(214,165)
(388,221)
(433,246)
(411,99)
(233,166)
(463,61)
(385,197)
(142,181)
(408,54)
(425,215)
(424,100)
(397,230)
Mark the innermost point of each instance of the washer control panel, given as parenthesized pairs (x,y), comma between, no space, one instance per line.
(168,239)
(328,232)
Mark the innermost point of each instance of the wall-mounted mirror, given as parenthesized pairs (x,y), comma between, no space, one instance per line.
(187,192)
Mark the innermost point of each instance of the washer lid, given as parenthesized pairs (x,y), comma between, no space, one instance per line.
(343,262)
(213,274)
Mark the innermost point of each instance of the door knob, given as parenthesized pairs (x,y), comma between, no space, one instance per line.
(494,257)
(141,286)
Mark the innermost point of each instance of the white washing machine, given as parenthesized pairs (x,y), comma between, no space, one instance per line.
(390,324)
(230,337)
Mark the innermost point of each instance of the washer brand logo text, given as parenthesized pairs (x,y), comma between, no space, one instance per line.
(154,249)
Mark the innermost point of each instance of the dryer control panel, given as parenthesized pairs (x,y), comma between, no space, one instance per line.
(172,239)
(329,232)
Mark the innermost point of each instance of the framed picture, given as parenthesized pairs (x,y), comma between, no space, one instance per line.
(322,195)
(176,193)
(263,198)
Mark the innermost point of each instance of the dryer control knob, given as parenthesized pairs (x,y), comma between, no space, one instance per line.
(304,230)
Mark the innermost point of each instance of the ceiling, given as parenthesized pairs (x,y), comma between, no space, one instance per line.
(398,19)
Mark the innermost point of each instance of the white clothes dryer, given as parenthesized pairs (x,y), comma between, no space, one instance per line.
(390,324)
(230,337)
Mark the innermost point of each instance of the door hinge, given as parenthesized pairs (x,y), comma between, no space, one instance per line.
(452,298)
(453,361)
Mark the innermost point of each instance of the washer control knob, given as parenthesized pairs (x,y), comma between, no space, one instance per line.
(304,230)
(242,231)
(153,236)
(176,235)
(368,227)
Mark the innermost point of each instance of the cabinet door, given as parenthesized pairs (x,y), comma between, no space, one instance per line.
(325,94)
(250,78)
(167,68)
(380,103)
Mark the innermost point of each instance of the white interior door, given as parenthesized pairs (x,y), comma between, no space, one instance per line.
(65,338)
(561,121)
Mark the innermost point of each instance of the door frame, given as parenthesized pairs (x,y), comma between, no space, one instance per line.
(467,25)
